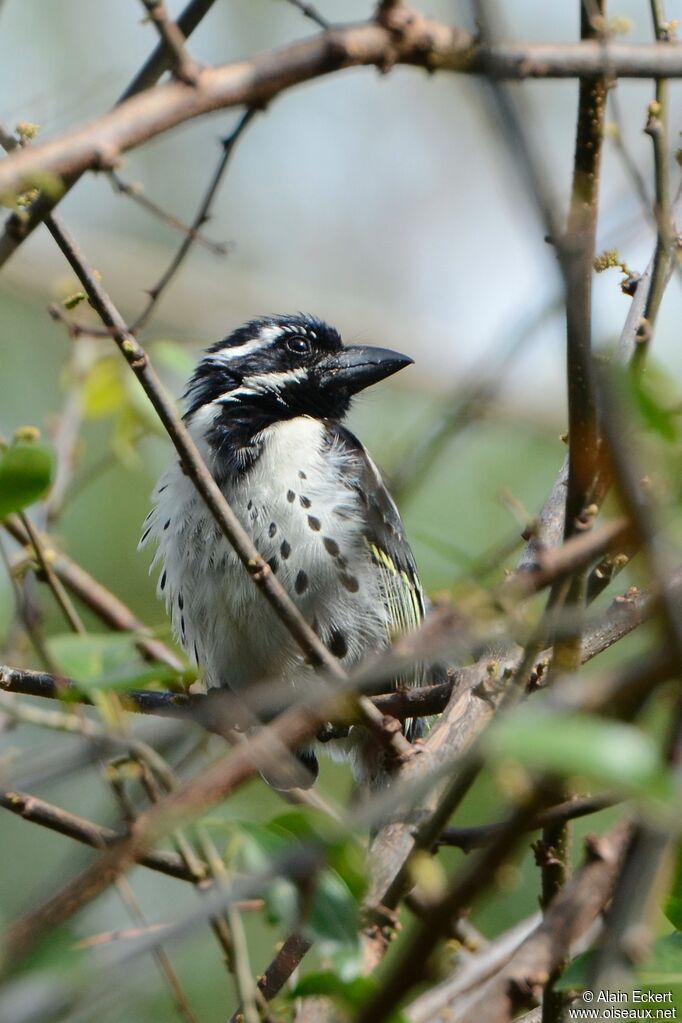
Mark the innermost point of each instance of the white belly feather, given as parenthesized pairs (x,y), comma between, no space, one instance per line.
(307,524)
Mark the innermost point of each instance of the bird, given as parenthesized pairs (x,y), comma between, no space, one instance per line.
(265,406)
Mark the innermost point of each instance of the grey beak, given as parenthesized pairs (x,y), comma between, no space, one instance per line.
(359,366)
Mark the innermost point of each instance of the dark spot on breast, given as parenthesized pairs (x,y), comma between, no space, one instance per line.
(337,644)
(363,497)
(161,489)
(249,506)
(341,561)
(301,584)
(167,524)
(182,625)
(290,496)
(285,549)
(196,652)
(272,529)
(305,502)
(314,523)
(145,534)
(162,584)
(349,582)
(274,564)
(331,546)
(181,601)
(302,475)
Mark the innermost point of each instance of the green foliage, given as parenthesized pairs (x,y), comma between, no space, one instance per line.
(348,993)
(655,399)
(26,468)
(661,971)
(104,389)
(673,904)
(299,841)
(609,753)
(105,661)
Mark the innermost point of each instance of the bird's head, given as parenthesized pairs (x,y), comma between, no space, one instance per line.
(280,367)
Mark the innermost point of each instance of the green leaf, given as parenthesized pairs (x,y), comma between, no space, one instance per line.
(105,661)
(334,916)
(344,855)
(659,419)
(350,993)
(575,976)
(104,392)
(608,752)
(673,904)
(655,398)
(25,475)
(663,968)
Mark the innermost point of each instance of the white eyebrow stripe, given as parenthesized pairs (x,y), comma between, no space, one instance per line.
(267,337)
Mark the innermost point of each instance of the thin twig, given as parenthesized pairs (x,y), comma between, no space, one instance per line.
(614,962)
(101,601)
(477,836)
(308,11)
(97,836)
(576,254)
(408,962)
(53,581)
(573,911)
(219,923)
(657,128)
(180,63)
(19,227)
(134,191)
(202,215)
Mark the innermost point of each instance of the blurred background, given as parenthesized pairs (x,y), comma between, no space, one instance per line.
(388,205)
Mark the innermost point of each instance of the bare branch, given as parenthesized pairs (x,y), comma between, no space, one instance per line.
(569,916)
(37,811)
(409,962)
(255,82)
(470,838)
(108,607)
(18,228)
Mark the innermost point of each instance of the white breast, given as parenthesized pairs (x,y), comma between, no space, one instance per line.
(305,523)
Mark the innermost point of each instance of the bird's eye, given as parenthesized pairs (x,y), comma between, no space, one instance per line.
(297,344)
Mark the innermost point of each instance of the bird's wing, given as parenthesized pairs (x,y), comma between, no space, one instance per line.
(387,544)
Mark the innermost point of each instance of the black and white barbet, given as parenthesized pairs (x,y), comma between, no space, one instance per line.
(265,407)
